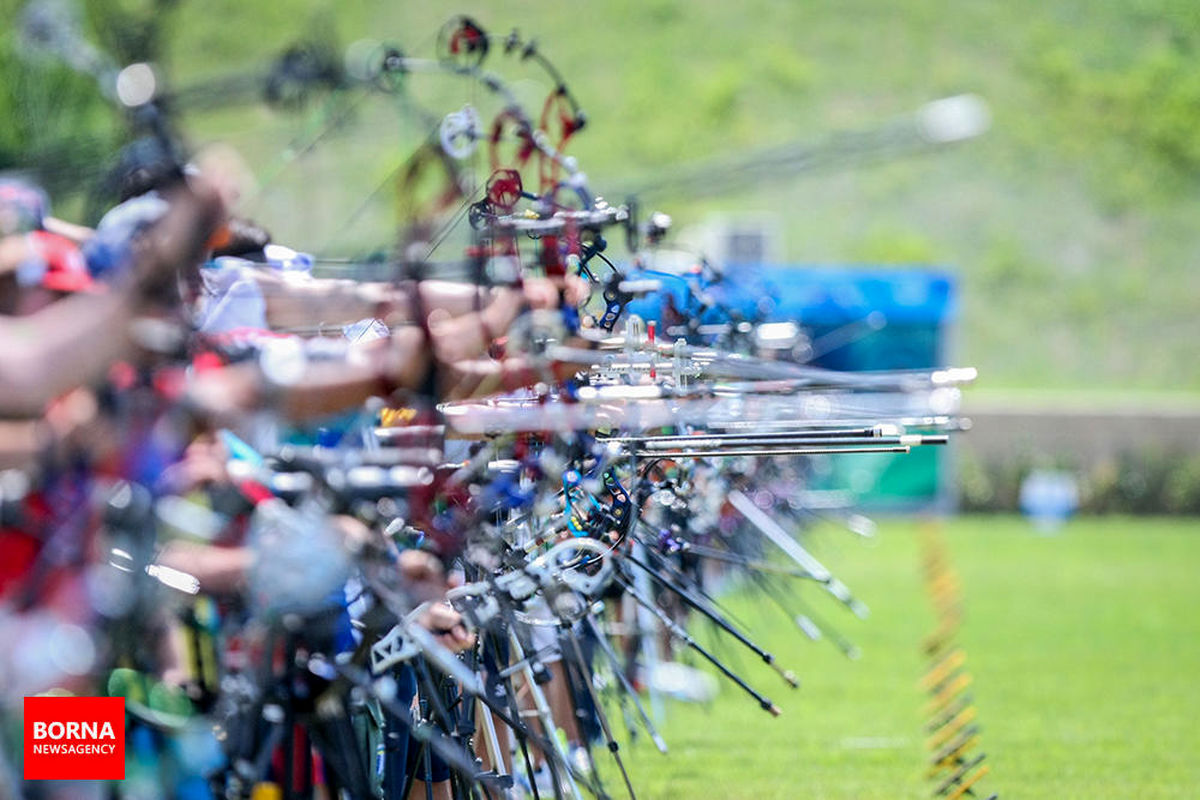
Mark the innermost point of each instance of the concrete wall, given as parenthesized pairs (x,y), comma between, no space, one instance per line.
(1008,427)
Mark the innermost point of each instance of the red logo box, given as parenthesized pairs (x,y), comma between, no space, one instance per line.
(74,738)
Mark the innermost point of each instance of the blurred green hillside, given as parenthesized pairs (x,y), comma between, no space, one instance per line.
(1072,223)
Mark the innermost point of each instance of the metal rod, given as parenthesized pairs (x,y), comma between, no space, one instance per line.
(677,631)
(542,706)
(786,451)
(424,733)
(741,561)
(785,542)
(623,679)
(773,440)
(586,674)
(812,434)
(811,623)
(718,620)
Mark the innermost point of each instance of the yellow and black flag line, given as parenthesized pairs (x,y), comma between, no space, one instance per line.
(952,733)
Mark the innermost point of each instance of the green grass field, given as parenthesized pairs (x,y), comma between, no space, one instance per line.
(1084,647)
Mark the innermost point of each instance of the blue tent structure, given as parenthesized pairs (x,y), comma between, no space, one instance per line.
(912,308)
(857,318)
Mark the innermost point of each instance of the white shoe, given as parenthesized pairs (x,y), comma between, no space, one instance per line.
(521,788)
(580,761)
(543,779)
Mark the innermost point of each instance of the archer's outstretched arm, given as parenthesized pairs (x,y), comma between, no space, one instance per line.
(73,341)
(297,304)
(456,346)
